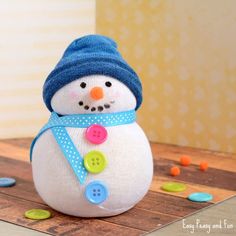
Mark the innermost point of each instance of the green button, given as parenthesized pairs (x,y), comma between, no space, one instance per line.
(37,214)
(95,162)
(173,187)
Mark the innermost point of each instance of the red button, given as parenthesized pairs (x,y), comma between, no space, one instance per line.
(96,134)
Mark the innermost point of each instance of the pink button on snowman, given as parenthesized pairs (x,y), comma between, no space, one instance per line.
(96,134)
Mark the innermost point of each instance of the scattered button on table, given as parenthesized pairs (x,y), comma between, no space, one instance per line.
(37,214)
(96,192)
(200,197)
(95,162)
(173,187)
(96,134)
(7,182)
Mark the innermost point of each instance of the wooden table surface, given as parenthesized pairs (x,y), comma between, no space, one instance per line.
(157,209)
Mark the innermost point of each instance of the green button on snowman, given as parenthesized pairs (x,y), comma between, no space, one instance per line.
(92,159)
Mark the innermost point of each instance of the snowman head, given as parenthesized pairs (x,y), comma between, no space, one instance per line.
(92,77)
(93,94)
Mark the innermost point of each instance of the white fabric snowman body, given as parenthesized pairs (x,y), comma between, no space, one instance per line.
(124,171)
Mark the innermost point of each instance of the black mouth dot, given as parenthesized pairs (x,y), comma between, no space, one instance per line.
(106,106)
(81,103)
(112,102)
(86,107)
(93,109)
(100,108)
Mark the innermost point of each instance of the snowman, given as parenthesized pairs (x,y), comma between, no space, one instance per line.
(92,159)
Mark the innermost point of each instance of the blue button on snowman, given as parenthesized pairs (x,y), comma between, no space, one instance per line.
(96,192)
(92,90)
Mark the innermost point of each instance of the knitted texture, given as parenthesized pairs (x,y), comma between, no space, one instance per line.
(127,176)
(67,100)
(57,125)
(91,55)
(84,121)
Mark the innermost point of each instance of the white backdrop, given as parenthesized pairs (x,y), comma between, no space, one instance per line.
(33,35)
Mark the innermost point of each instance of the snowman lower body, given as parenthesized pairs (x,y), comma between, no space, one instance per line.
(127,176)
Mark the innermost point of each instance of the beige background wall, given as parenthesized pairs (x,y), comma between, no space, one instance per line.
(184,51)
(33,35)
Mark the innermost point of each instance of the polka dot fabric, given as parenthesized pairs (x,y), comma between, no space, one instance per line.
(85,120)
(70,152)
(106,119)
(57,124)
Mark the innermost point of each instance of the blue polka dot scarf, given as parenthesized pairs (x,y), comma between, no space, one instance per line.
(58,126)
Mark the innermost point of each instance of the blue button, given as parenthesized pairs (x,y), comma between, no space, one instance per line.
(200,197)
(7,182)
(96,192)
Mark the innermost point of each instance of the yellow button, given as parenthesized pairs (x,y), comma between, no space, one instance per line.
(37,214)
(95,162)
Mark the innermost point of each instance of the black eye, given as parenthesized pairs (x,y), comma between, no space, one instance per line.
(108,84)
(83,85)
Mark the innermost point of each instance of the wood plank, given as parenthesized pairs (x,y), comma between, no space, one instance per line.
(150,218)
(155,210)
(10,167)
(24,189)
(142,219)
(212,177)
(170,204)
(19,149)
(161,148)
(12,210)
(165,150)
(218,194)
(218,160)
(18,142)
(16,169)
(14,152)
(222,212)
(153,201)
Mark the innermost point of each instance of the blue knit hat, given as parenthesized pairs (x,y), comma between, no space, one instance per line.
(91,55)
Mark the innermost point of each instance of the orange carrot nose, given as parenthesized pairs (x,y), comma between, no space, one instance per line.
(96,93)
